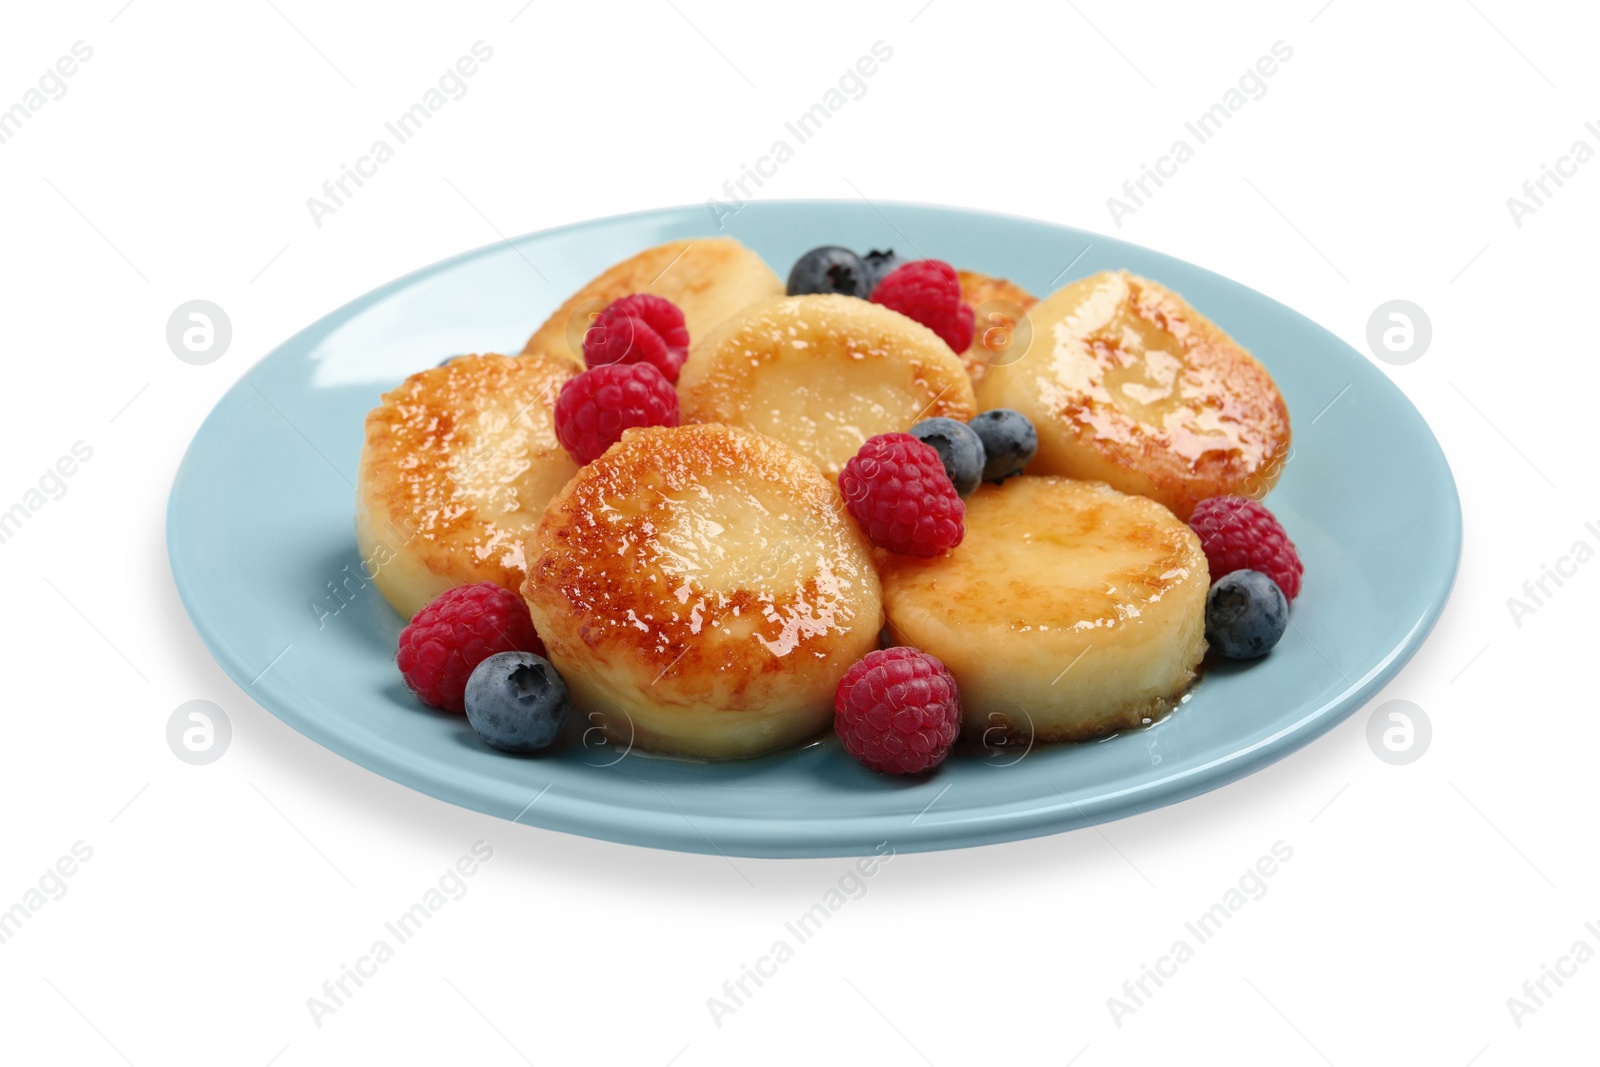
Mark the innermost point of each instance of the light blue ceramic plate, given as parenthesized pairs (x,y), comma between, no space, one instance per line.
(259,529)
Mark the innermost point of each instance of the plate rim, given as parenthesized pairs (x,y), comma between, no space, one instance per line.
(802,837)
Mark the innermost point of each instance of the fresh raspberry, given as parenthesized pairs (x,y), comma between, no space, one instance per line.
(459,629)
(1238,534)
(897,710)
(641,328)
(596,406)
(929,291)
(898,491)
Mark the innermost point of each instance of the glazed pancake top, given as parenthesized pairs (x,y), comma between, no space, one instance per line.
(707,547)
(465,455)
(1052,555)
(823,372)
(709,278)
(1152,378)
(1001,330)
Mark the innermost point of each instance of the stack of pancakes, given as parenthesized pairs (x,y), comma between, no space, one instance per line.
(702,588)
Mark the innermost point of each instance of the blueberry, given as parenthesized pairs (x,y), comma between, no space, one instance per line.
(959,450)
(517,702)
(1246,613)
(879,264)
(1009,442)
(829,269)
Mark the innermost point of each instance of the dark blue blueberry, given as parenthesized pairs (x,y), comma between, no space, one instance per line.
(1246,614)
(830,269)
(517,702)
(879,264)
(959,450)
(1009,442)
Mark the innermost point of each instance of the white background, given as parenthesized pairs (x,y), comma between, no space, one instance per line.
(219,898)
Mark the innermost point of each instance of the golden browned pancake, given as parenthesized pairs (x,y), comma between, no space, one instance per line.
(1128,384)
(822,372)
(458,464)
(1068,611)
(1001,330)
(709,278)
(702,591)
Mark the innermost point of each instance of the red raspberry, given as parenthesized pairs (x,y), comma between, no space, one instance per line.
(898,491)
(459,629)
(639,329)
(897,710)
(1239,534)
(929,291)
(596,406)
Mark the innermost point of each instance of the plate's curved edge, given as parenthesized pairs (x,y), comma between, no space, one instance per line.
(734,835)
(657,829)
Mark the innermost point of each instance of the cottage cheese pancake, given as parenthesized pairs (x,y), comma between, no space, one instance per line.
(709,278)
(1068,611)
(702,591)
(823,373)
(458,465)
(1128,384)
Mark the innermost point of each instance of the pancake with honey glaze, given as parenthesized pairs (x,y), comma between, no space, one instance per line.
(1001,329)
(823,373)
(702,591)
(458,465)
(1068,611)
(709,278)
(1128,384)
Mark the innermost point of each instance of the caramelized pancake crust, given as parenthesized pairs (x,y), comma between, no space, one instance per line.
(1001,330)
(823,373)
(702,591)
(458,465)
(1068,611)
(1128,384)
(709,278)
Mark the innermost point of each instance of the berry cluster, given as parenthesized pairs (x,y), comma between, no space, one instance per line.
(473,649)
(925,290)
(906,489)
(459,629)
(898,491)
(929,292)
(1255,574)
(639,328)
(634,351)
